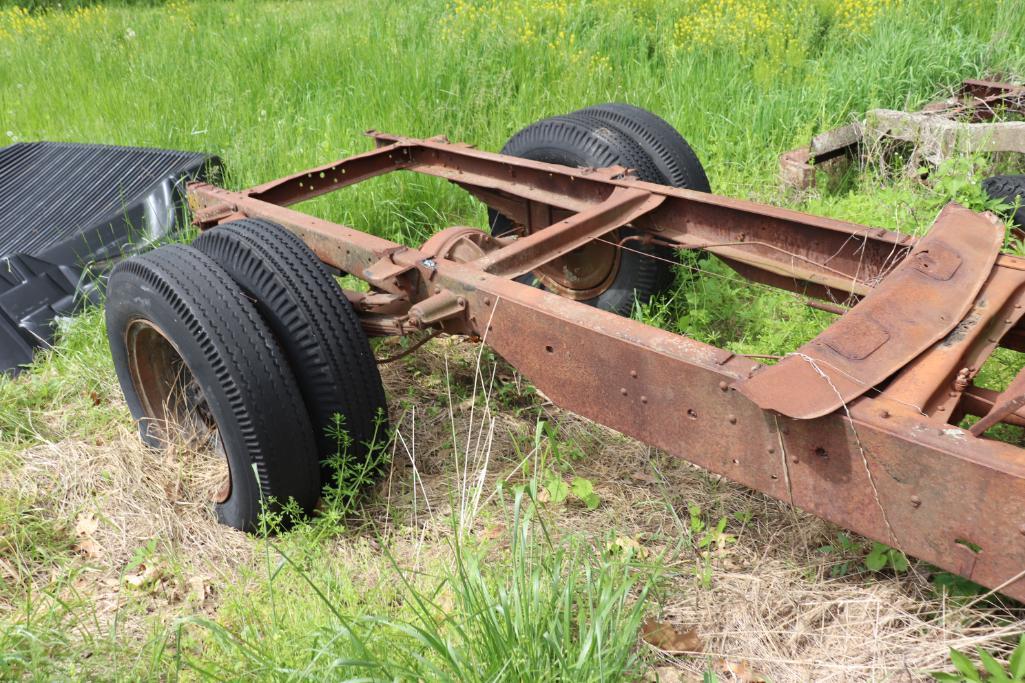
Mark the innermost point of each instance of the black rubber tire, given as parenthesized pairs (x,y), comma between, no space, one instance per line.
(1007,188)
(669,151)
(245,380)
(582,141)
(316,326)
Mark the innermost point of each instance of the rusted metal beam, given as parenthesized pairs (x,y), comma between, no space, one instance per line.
(979,401)
(1007,403)
(558,239)
(330,177)
(894,478)
(814,254)
(914,307)
(345,248)
(820,257)
(881,467)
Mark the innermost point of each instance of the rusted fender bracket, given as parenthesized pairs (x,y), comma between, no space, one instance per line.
(1008,402)
(918,304)
(533,251)
(936,380)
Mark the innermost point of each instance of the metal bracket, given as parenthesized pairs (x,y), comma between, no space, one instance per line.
(918,304)
(376,302)
(1008,402)
(385,273)
(532,251)
(437,308)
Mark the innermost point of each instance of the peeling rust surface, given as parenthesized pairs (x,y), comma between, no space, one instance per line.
(915,306)
(963,328)
(889,464)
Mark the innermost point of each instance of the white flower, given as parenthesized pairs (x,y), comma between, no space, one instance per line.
(129,34)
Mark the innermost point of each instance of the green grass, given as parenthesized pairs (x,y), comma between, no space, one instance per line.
(550,612)
(273,87)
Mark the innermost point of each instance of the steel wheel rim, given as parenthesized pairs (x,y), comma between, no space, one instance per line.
(585,272)
(172,400)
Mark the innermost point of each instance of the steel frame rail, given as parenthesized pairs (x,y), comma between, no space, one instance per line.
(857,427)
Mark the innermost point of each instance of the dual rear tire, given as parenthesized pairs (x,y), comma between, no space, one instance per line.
(245,344)
(603,273)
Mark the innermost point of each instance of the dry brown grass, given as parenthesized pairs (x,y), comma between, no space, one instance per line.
(772,602)
(146,540)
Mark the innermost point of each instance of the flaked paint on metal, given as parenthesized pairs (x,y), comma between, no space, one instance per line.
(861,467)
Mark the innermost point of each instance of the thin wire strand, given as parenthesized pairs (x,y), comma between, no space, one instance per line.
(739,280)
(754,243)
(795,297)
(857,439)
(411,349)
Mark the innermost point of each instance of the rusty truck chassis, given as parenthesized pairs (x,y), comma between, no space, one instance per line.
(858,426)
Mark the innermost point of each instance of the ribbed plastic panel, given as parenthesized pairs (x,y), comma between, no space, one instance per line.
(66,207)
(51,191)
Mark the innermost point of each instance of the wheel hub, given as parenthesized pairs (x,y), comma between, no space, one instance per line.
(174,403)
(584,273)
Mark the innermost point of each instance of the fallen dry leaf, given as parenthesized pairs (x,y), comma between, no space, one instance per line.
(88,547)
(199,589)
(86,524)
(627,544)
(145,576)
(741,671)
(670,638)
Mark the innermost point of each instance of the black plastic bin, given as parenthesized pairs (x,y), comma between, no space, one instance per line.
(68,212)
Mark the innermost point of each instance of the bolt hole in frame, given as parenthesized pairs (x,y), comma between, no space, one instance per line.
(876,396)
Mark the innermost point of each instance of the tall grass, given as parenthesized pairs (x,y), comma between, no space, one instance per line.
(550,611)
(273,87)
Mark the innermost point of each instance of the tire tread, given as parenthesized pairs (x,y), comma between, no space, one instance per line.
(317,327)
(245,361)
